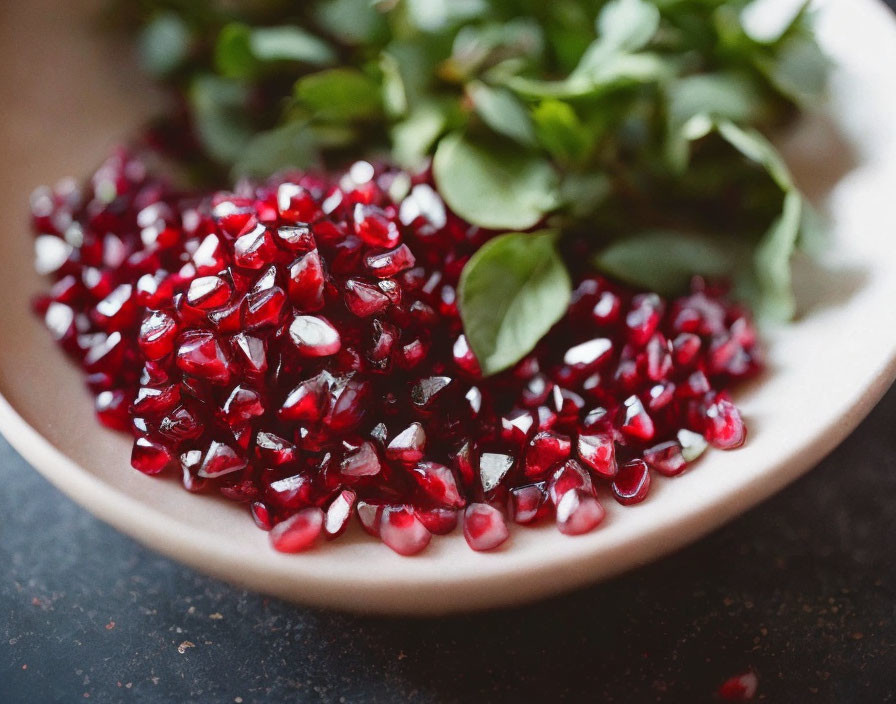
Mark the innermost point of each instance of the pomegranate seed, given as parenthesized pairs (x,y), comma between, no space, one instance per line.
(391,262)
(369,516)
(484,527)
(202,356)
(631,483)
(261,514)
(402,531)
(578,513)
(438,484)
(636,422)
(361,461)
(724,427)
(599,453)
(306,282)
(666,458)
(438,521)
(408,445)
(374,227)
(740,688)
(493,467)
(544,451)
(298,532)
(338,514)
(220,459)
(567,477)
(150,457)
(529,502)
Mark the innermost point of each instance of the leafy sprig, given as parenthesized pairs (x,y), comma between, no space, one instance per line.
(636,124)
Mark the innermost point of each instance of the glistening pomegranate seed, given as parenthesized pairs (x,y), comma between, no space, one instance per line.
(296,347)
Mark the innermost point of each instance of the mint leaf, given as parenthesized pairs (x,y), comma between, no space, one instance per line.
(164,44)
(340,94)
(503,112)
(665,260)
(511,292)
(222,124)
(413,137)
(243,52)
(492,186)
(755,146)
(627,25)
(560,131)
(291,146)
(772,261)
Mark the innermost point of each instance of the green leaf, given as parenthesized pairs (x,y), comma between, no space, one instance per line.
(438,15)
(292,146)
(511,292)
(413,137)
(723,95)
(665,261)
(493,186)
(395,98)
(582,192)
(772,261)
(353,22)
(242,52)
(219,106)
(560,131)
(615,72)
(756,147)
(164,44)
(799,71)
(340,94)
(627,25)
(503,112)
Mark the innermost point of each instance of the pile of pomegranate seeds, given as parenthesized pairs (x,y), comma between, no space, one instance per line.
(297,347)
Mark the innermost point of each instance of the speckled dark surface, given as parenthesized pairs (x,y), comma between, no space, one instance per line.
(802,590)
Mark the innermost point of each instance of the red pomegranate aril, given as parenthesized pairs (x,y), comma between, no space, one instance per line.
(484,527)
(314,336)
(262,515)
(545,450)
(389,263)
(408,445)
(254,249)
(150,457)
(578,512)
(298,532)
(112,410)
(724,427)
(529,502)
(242,405)
(598,452)
(220,459)
(437,482)
(201,355)
(151,401)
(157,335)
(264,309)
(606,310)
(361,461)
(369,516)
(740,688)
(338,514)
(438,521)
(295,203)
(666,458)
(570,475)
(589,354)
(636,422)
(631,483)
(402,531)
(293,353)
(306,282)
(493,467)
(208,292)
(364,299)
(374,227)
(643,317)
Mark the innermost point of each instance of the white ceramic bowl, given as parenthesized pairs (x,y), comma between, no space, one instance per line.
(71,103)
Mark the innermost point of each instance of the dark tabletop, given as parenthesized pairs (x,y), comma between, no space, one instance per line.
(801,591)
